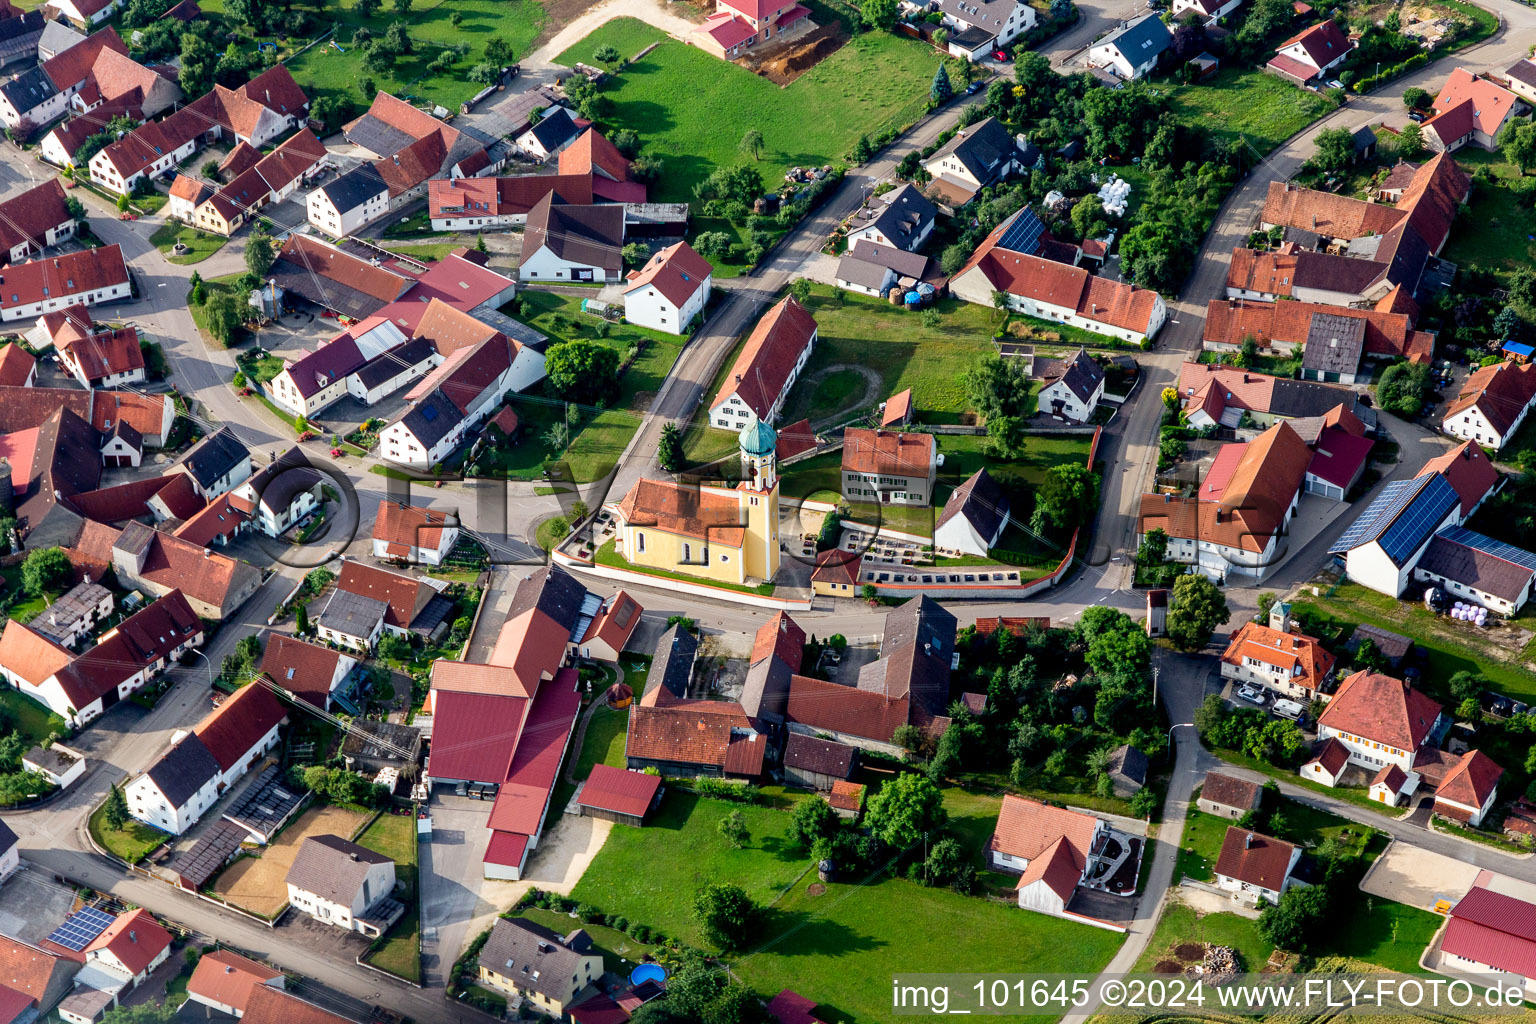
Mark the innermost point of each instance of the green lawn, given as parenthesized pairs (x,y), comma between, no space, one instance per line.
(600,435)
(551,532)
(28,717)
(326,70)
(260,368)
(616,947)
(429,251)
(1504,217)
(200,244)
(1180,924)
(1203,835)
(1446,651)
(394,835)
(199,317)
(843,943)
(603,744)
(608,555)
(1261,108)
(1379,931)
(132,844)
(692,109)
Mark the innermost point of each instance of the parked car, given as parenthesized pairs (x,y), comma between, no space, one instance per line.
(973,89)
(1416,115)
(1251,694)
(1000,55)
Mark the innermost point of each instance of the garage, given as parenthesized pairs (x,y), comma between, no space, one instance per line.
(119,461)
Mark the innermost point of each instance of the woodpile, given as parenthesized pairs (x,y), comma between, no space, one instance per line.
(1219,965)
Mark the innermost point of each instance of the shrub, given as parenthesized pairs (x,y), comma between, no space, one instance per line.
(732,792)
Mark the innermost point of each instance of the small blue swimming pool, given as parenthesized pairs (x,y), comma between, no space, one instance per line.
(648,972)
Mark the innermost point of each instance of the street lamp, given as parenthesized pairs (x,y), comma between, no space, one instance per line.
(1179,725)
(200,654)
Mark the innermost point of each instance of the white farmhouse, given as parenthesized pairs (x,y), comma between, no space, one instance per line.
(669,291)
(974,518)
(768,366)
(1072,388)
(1132,49)
(1380,720)
(1253,866)
(343,884)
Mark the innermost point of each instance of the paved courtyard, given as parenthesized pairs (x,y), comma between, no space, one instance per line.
(1418,877)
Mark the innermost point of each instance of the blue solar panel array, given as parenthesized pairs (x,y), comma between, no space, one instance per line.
(81,928)
(1419,521)
(1378,515)
(1497,548)
(1023,235)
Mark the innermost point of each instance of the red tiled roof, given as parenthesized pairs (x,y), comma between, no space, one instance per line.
(1340,456)
(1230,791)
(135,938)
(267,1005)
(107,352)
(412,165)
(1390,776)
(897,408)
(69,68)
(1060,867)
(1285,651)
(1381,708)
(1471,781)
(676,272)
(616,623)
(27,217)
(694,732)
(1485,105)
(31,655)
(591,152)
(1468,470)
(1230,321)
(305,669)
(1324,42)
(74,273)
(216,519)
(493,197)
(1027,828)
(16,365)
(407,526)
(278,91)
(769,357)
(227,978)
(1060,284)
(687,511)
(26,968)
(727,29)
(1253,858)
(1326,213)
(795,438)
(623,792)
(239,723)
(523,799)
(474,734)
(405,595)
(895,453)
(179,564)
(845,795)
(780,636)
(1501,392)
(834,566)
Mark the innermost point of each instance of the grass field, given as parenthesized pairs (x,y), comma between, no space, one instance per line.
(326,69)
(1379,931)
(200,244)
(692,109)
(842,943)
(602,744)
(1505,218)
(1445,649)
(132,844)
(1261,108)
(34,721)
(1180,924)
(394,835)
(600,435)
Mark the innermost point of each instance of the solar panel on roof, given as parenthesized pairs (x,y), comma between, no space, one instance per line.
(1023,235)
(81,928)
(1497,548)
(428,413)
(590,606)
(1378,515)
(1416,524)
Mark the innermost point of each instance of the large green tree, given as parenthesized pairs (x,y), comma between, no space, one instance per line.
(582,371)
(1198,608)
(879,13)
(998,386)
(1065,499)
(1518,144)
(1402,388)
(726,915)
(1335,149)
(905,808)
(45,570)
(260,253)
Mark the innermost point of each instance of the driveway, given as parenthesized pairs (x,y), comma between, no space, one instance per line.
(451,880)
(1418,877)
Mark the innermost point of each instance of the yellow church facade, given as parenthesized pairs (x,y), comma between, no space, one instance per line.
(715,532)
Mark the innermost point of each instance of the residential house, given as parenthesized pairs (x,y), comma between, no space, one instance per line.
(1384,543)
(902,218)
(413,533)
(1127,770)
(33,220)
(281,494)
(549,132)
(978,155)
(343,884)
(202,765)
(1228,796)
(974,518)
(889,467)
(43,978)
(618,795)
(456,397)
(907,684)
(106,359)
(83,14)
(307,671)
(348,202)
(267,1004)
(474,204)
(1333,339)
(1050,849)
(217,464)
(1050,290)
(1073,387)
(351,620)
(1226,396)
(592,154)
(1380,720)
(814,763)
(392,125)
(612,625)
(1492,933)
(1468,791)
(679,735)
(1133,49)
(1275,657)
(837,572)
(10,851)
(408,601)
(778,650)
(223,980)
(18,367)
(301,158)
(1210,11)
(1471,110)
(1313,51)
(738,25)
(1520,77)
(70,619)
(572,243)
(670,291)
(158,562)
(524,959)
(875,269)
(85,278)
(1492,404)
(980,27)
(1254,867)
(1236,524)
(766,369)
(130,948)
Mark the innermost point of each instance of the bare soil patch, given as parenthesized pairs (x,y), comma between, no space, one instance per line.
(256,883)
(782,65)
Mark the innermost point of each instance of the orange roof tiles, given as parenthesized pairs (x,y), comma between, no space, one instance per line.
(1028,828)
(769,357)
(403,527)
(1303,659)
(1486,104)
(1253,858)
(227,978)
(1472,781)
(676,272)
(888,452)
(688,511)
(1326,213)
(591,152)
(1380,708)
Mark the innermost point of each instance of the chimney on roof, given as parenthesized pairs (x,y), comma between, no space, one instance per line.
(927,648)
(353,854)
(1248,841)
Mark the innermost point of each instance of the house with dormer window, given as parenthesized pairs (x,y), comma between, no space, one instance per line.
(738,25)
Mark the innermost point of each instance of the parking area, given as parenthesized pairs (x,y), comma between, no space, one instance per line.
(1418,877)
(451,877)
(31,907)
(302,930)
(256,883)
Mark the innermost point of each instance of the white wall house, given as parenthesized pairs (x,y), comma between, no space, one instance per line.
(1380,721)
(1387,540)
(24,295)
(669,291)
(1004,20)
(1253,866)
(169,796)
(349,203)
(1210,10)
(336,882)
(973,285)
(83,13)
(1132,50)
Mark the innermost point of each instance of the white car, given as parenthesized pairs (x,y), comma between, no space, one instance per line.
(1251,694)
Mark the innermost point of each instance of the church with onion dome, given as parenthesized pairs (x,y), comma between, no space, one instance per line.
(716,532)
